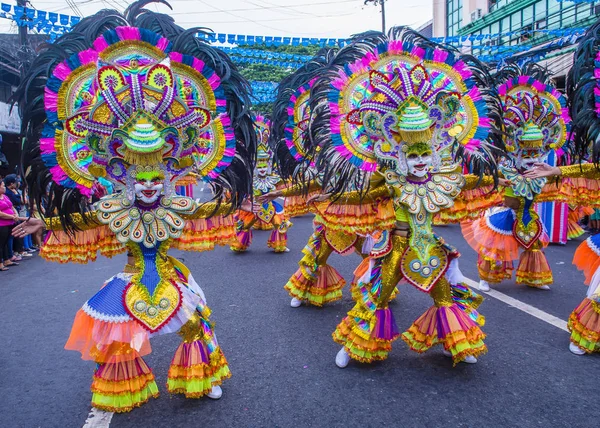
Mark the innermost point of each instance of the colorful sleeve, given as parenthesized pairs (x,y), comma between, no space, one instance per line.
(79,246)
(202,233)
(581,184)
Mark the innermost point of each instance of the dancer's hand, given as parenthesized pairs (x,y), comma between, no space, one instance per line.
(268,197)
(542,170)
(504,182)
(246,206)
(28,227)
(319,197)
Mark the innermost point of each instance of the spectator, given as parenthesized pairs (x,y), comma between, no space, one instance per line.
(15,245)
(8,219)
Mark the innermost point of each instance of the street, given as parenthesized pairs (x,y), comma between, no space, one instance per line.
(282,359)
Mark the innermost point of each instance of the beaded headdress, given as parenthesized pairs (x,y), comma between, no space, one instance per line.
(534,114)
(127,91)
(403,93)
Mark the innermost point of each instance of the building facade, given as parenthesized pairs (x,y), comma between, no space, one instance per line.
(492,29)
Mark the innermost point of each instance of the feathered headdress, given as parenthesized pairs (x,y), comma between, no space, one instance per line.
(403,92)
(583,93)
(534,113)
(132,89)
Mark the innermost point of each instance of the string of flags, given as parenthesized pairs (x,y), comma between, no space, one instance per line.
(480,37)
(55,24)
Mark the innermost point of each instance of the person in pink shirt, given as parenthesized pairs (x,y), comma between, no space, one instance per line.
(8,217)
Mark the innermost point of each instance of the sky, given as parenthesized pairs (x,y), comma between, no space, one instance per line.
(300,18)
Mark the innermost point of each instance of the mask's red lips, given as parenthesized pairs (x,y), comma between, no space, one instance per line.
(148,193)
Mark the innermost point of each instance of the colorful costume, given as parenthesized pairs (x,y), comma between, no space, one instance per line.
(583,89)
(338,227)
(270,215)
(388,117)
(126,106)
(535,120)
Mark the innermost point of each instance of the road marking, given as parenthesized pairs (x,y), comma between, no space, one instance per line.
(98,419)
(531,310)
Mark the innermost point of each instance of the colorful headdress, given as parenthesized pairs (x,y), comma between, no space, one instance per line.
(534,113)
(403,92)
(122,96)
(583,93)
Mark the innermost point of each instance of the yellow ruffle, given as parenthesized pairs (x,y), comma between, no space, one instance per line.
(81,246)
(360,219)
(204,234)
(469,205)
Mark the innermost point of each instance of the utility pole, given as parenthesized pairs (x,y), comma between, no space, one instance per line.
(377,3)
(22,28)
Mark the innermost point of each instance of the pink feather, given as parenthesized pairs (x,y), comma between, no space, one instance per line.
(440,55)
(128,33)
(176,56)
(539,86)
(62,71)
(162,44)
(88,56)
(100,44)
(47,145)
(198,65)
(50,99)
(85,191)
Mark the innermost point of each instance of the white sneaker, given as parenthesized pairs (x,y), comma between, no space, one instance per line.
(484,285)
(576,349)
(469,359)
(287,250)
(544,287)
(215,393)
(295,302)
(342,358)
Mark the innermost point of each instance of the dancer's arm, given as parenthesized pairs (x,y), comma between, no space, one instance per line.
(586,170)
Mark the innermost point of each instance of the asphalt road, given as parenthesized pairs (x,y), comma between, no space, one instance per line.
(282,359)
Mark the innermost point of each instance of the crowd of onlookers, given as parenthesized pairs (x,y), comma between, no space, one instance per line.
(14,208)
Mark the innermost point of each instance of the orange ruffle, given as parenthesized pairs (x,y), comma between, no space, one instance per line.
(89,336)
(492,271)
(122,377)
(82,246)
(461,336)
(470,205)
(492,245)
(359,348)
(584,325)
(204,234)
(533,269)
(361,219)
(581,191)
(296,206)
(325,287)
(586,260)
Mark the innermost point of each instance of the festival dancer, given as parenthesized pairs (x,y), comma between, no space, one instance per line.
(115,99)
(270,214)
(583,90)
(535,121)
(338,226)
(394,110)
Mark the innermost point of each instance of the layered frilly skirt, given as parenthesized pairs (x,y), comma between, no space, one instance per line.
(105,332)
(584,322)
(493,237)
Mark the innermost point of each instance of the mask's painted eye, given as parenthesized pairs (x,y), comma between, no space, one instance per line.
(412,156)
